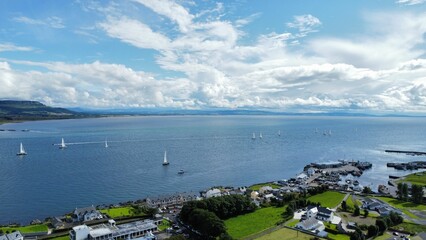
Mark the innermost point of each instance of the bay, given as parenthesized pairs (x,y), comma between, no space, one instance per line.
(213,151)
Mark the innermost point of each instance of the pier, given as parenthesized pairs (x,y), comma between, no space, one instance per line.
(412,153)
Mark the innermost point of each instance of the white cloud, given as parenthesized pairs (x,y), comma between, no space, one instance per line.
(305,24)
(4,47)
(53,22)
(410,2)
(171,10)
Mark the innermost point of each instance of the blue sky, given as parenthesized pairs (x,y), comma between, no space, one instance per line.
(291,56)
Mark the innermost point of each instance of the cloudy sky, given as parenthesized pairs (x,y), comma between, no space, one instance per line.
(291,56)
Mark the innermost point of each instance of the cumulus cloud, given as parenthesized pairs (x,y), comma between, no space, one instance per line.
(53,22)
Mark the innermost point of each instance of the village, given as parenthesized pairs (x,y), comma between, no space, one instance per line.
(157,218)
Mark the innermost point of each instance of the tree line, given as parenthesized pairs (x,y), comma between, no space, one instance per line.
(206,216)
(416,193)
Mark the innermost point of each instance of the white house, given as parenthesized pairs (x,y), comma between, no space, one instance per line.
(265,189)
(213,193)
(12,236)
(311,224)
(311,171)
(324,214)
(254,195)
(86,214)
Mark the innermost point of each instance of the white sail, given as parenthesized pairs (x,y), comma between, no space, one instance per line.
(329,132)
(21,150)
(62,145)
(254,136)
(260,135)
(106,143)
(165,162)
(279,133)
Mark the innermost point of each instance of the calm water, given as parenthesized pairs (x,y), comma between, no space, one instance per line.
(213,150)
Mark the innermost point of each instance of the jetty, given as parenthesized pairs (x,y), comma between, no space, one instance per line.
(408,166)
(412,153)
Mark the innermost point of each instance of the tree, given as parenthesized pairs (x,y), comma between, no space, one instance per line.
(395,218)
(344,206)
(366,213)
(416,193)
(381,225)
(405,192)
(367,190)
(357,235)
(357,211)
(372,231)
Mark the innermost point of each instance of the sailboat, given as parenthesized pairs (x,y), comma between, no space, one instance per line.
(106,143)
(62,145)
(254,136)
(329,132)
(165,162)
(279,133)
(21,151)
(260,135)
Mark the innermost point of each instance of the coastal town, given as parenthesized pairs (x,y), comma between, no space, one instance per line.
(332,211)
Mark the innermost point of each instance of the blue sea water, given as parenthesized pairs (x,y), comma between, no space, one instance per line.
(213,150)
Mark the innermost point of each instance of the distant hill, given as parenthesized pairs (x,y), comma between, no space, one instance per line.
(11,110)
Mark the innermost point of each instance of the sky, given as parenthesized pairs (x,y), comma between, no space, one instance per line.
(365,56)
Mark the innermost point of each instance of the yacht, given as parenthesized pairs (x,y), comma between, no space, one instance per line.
(165,162)
(181,172)
(62,145)
(21,151)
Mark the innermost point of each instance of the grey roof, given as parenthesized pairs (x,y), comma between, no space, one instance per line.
(323,210)
(14,235)
(81,211)
(309,223)
(3,237)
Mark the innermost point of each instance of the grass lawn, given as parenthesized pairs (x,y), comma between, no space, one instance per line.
(328,199)
(285,234)
(251,223)
(411,227)
(256,187)
(65,237)
(164,225)
(26,229)
(385,236)
(416,178)
(292,222)
(338,236)
(118,212)
(404,206)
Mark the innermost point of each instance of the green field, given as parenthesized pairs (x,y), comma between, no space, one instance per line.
(164,225)
(251,223)
(328,199)
(292,222)
(256,187)
(411,227)
(285,234)
(338,236)
(26,229)
(404,206)
(416,178)
(118,212)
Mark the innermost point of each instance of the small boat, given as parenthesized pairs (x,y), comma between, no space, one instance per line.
(329,132)
(279,133)
(21,151)
(62,145)
(181,172)
(106,143)
(316,130)
(260,135)
(254,136)
(165,162)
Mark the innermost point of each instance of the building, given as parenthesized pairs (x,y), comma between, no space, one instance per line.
(141,230)
(86,214)
(165,201)
(57,223)
(265,189)
(324,214)
(213,193)
(12,236)
(311,224)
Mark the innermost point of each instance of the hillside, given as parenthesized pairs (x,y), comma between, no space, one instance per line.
(11,110)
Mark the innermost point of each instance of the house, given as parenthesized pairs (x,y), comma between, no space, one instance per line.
(324,214)
(265,189)
(213,193)
(12,236)
(302,176)
(86,214)
(254,195)
(177,199)
(57,223)
(311,224)
(311,212)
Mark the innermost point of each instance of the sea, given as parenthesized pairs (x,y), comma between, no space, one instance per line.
(212,151)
